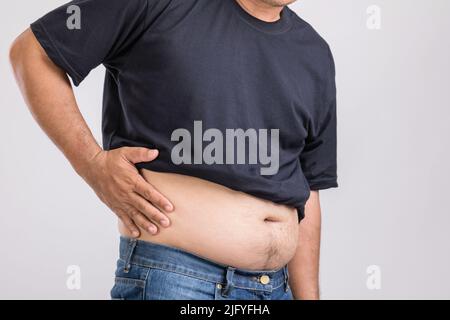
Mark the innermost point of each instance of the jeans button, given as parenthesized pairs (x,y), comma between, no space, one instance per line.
(264,279)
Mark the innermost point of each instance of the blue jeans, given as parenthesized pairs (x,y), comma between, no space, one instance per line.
(147,271)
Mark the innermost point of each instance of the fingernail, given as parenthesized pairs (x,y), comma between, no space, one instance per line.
(153,152)
(168,207)
(152,229)
(165,223)
(135,234)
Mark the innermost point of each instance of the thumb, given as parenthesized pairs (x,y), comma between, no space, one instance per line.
(137,155)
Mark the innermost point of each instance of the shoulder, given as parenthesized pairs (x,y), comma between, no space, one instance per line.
(308,35)
(313,45)
(307,31)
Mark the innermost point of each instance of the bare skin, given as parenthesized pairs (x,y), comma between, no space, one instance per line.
(213,221)
(304,267)
(224,225)
(265,10)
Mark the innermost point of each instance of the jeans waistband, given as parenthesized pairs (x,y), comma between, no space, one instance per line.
(157,256)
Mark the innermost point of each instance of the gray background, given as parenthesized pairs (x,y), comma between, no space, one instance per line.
(392,209)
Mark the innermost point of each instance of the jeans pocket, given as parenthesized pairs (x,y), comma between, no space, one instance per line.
(169,285)
(129,284)
(128,289)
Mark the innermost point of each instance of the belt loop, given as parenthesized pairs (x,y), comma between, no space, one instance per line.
(131,246)
(229,283)
(286,278)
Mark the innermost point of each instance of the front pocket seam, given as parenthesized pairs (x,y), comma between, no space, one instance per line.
(129,281)
(144,291)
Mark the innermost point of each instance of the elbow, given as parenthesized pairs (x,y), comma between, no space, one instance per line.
(21,51)
(17,53)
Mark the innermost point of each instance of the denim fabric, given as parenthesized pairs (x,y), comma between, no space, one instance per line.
(147,271)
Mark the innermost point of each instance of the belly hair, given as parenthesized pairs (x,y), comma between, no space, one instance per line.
(278,244)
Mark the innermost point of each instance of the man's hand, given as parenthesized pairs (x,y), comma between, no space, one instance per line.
(119,185)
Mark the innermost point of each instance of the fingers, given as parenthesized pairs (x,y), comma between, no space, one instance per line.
(147,191)
(149,211)
(144,223)
(140,220)
(142,201)
(137,155)
(129,223)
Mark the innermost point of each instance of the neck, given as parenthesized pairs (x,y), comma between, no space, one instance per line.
(261,10)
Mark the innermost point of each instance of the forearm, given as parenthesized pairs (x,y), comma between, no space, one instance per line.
(50,98)
(304,267)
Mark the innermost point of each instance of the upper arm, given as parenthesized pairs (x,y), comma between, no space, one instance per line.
(313,203)
(25,46)
(106,31)
(29,60)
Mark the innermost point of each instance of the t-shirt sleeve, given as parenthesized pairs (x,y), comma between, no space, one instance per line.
(318,158)
(83,34)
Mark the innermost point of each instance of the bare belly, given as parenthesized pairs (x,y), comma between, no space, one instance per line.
(223,225)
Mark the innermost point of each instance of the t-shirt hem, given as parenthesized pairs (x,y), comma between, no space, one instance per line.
(323,185)
(158,167)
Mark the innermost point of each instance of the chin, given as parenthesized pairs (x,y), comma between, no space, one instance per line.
(278,3)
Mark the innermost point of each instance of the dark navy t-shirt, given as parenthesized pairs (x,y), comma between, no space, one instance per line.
(222,95)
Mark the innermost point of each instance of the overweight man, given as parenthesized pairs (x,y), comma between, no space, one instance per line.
(219,130)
